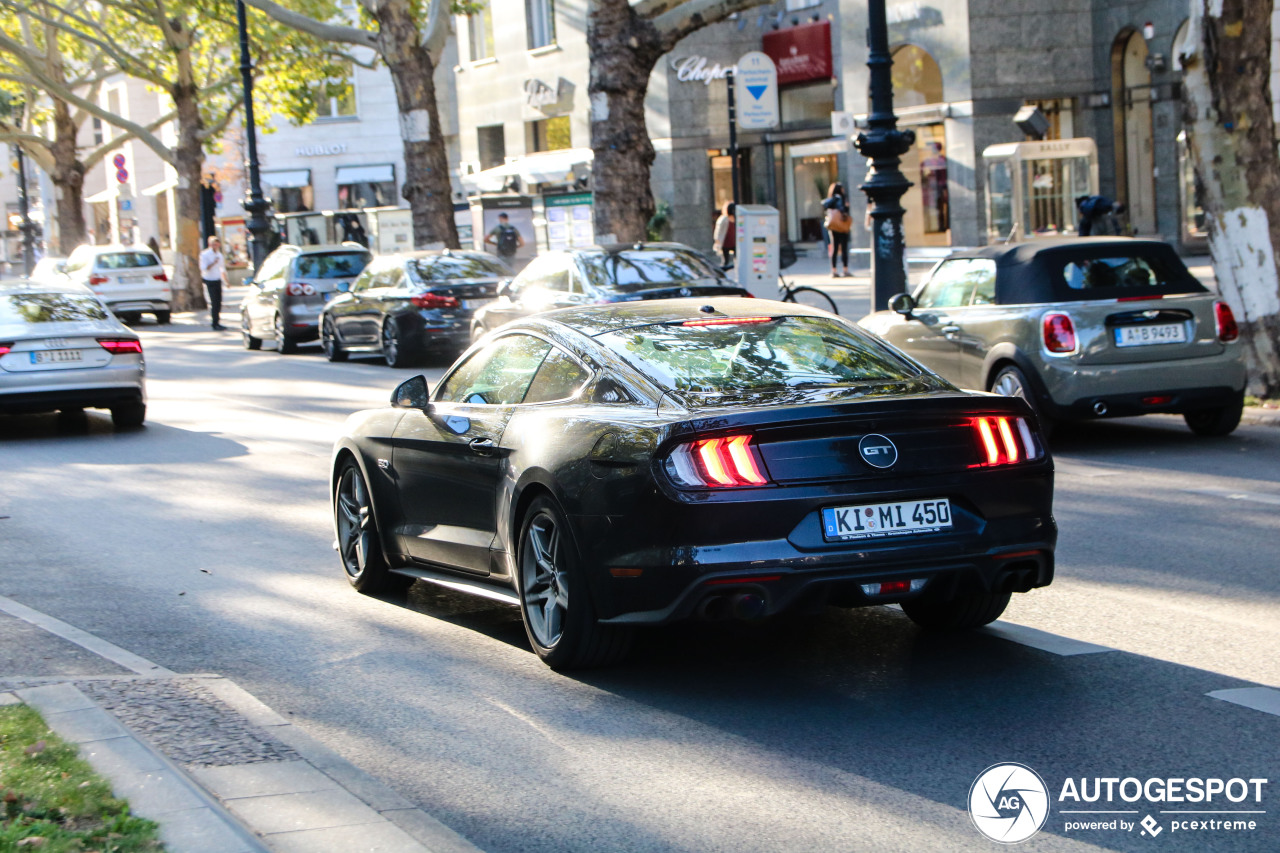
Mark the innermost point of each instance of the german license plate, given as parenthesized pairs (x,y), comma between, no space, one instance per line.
(132,279)
(1139,336)
(872,521)
(55,356)
(473,304)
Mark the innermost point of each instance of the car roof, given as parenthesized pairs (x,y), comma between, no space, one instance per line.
(26,285)
(112,247)
(615,248)
(323,248)
(593,320)
(1028,250)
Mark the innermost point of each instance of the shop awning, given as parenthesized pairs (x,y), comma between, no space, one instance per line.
(836,145)
(163,186)
(366,174)
(290,179)
(109,194)
(543,168)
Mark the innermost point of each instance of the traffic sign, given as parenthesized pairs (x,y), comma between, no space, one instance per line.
(118,161)
(126,205)
(756,82)
(122,175)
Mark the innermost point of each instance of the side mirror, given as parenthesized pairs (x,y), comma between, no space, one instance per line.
(904,304)
(504,288)
(412,393)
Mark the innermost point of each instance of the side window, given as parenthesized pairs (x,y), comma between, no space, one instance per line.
(559,378)
(535,275)
(952,285)
(270,275)
(984,283)
(395,277)
(497,375)
(363,281)
(557,279)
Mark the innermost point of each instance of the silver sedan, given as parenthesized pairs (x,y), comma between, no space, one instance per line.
(60,349)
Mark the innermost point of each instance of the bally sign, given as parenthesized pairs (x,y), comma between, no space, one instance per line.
(801,53)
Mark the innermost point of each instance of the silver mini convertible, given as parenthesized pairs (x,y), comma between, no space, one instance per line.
(1080,328)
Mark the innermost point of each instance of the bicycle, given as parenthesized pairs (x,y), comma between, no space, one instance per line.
(805,295)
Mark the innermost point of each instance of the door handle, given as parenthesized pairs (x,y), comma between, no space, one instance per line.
(950,330)
(482,446)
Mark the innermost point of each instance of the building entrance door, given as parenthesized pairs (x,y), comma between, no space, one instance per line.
(1139,154)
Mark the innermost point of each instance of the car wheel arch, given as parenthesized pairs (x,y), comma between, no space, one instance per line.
(349,452)
(1004,355)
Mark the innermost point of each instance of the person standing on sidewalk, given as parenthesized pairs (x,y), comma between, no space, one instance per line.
(838,223)
(725,237)
(213,271)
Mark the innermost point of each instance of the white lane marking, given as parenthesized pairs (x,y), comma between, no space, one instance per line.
(83,639)
(1043,640)
(1062,465)
(1235,495)
(1264,699)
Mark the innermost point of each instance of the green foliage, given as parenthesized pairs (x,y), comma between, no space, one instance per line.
(47,791)
(659,227)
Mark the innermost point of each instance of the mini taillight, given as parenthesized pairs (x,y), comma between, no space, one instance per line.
(96,279)
(120,346)
(1226,320)
(300,289)
(1004,441)
(717,463)
(1059,333)
(434,300)
(729,321)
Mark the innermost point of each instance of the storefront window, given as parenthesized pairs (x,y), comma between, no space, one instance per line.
(931,145)
(366,186)
(550,134)
(811,102)
(812,177)
(1050,188)
(999,201)
(291,199)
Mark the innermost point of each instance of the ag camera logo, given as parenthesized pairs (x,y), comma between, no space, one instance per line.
(1008,803)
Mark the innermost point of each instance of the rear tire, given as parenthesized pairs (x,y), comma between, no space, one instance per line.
(1010,381)
(285,345)
(329,341)
(555,602)
(250,342)
(129,415)
(359,546)
(813,298)
(395,350)
(1217,422)
(972,610)
(163,317)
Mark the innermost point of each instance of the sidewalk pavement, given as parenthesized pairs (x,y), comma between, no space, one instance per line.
(216,768)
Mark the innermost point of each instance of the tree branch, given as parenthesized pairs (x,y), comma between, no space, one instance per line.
(653,8)
(692,15)
(319,29)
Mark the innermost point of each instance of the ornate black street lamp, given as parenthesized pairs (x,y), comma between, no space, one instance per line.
(254,203)
(883,144)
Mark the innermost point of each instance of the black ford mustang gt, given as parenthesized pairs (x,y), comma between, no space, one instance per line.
(609,467)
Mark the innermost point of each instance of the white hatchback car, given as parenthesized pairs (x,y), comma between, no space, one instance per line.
(60,349)
(128,279)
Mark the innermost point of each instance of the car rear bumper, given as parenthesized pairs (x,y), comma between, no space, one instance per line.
(44,391)
(1119,390)
(126,305)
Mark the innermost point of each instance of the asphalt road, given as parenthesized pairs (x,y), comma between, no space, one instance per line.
(202,542)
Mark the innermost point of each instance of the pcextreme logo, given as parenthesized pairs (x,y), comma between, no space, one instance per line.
(1009,803)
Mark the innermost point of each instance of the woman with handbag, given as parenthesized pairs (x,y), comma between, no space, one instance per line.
(838,223)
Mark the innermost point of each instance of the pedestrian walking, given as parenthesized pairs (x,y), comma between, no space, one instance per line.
(505,238)
(213,271)
(726,236)
(838,224)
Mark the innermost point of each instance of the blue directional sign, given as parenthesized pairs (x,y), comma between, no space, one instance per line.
(756,81)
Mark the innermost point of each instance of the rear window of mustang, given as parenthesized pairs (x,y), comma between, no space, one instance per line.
(126,260)
(736,356)
(23,308)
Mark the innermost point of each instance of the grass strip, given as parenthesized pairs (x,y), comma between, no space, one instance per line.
(53,801)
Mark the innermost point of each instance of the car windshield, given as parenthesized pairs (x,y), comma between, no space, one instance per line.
(126,260)
(741,356)
(640,269)
(1124,271)
(334,265)
(447,267)
(22,308)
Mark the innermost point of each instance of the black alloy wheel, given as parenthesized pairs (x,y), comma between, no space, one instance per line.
(555,603)
(357,529)
(813,298)
(395,350)
(329,341)
(285,345)
(246,332)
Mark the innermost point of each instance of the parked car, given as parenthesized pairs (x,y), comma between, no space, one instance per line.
(596,275)
(48,269)
(61,350)
(643,463)
(292,287)
(407,305)
(1080,328)
(129,280)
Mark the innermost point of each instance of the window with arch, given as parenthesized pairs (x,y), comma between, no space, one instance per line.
(917,80)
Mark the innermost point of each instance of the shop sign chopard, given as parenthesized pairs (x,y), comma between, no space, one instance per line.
(699,69)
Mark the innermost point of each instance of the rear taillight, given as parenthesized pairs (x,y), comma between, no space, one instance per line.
(1059,334)
(1226,321)
(160,276)
(297,289)
(1004,441)
(120,346)
(717,463)
(4,348)
(434,300)
(97,280)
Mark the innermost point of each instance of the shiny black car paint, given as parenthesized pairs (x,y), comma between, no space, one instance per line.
(449,506)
